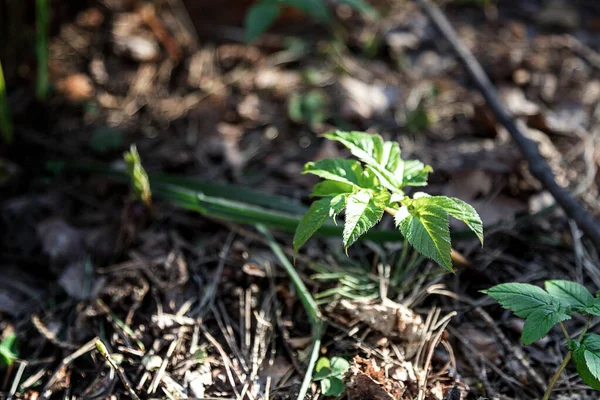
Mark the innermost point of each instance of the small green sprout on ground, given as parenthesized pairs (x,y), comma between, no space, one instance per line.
(263,14)
(139,178)
(375,185)
(543,309)
(330,373)
(8,350)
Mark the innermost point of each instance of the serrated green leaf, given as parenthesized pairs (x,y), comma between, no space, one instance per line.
(336,169)
(315,8)
(339,366)
(594,309)
(259,18)
(363,210)
(382,159)
(520,298)
(314,218)
(455,208)
(337,204)
(539,322)
(330,188)
(333,387)
(591,342)
(426,229)
(571,294)
(587,361)
(415,173)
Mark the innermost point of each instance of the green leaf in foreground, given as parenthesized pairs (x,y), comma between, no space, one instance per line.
(539,322)
(330,375)
(336,169)
(311,222)
(520,298)
(571,294)
(457,209)
(259,18)
(426,229)
(363,210)
(587,359)
(8,349)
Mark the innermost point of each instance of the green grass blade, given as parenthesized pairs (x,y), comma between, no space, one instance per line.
(5,121)
(312,310)
(42,10)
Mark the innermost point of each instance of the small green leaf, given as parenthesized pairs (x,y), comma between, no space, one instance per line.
(539,322)
(332,386)
(331,188)
(259,18)
(337,205)
(8,349)
(455,208)
(571,294)
(139,178)
(426,229)
(587,360)
(336,169)
(363,210)
(594,309)
(314,218)
(322,369)
(520,298)
(339,366)
(415,173)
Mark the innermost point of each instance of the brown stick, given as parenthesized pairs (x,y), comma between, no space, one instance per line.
(537,165)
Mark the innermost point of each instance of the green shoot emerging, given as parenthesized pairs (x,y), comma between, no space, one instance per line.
(331,373)
(139,178)
(8,350)
(543,309)
(5,122)
(373,185)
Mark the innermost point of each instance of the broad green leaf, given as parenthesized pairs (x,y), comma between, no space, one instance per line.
(587,359)
(571,294)
(362,7)
(332,386)
(336,169)
(331,188)
(372,150)
(415,173)
(591,342)
(539,322)
(520,298)
(315,8)
(455,208)
(8,350)
(337,204)
(259,18)
(339,366)
(314,218)
(363,210)
(426,229)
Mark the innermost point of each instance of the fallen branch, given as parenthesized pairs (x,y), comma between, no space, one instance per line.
(537,165)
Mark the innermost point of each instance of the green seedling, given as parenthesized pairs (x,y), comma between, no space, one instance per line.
(42,11)
(8,350)
(543,309)
(263,14)
(330,374)
(375,185)
(138,175)
(5,121)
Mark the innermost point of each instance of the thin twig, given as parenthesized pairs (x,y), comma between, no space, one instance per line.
(537,164)
(101,347)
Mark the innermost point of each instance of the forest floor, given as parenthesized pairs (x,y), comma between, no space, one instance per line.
(193,306)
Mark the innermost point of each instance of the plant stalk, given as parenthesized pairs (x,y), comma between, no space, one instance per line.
(564,363)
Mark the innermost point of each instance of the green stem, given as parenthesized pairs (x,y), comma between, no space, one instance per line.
(564,363)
